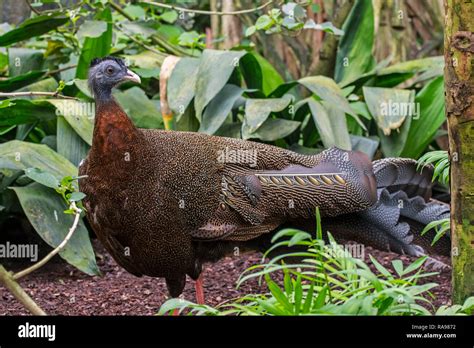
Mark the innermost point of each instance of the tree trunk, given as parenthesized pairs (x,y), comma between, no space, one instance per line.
(459,85)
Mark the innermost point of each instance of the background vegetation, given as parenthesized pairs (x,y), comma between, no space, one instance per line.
(304,76)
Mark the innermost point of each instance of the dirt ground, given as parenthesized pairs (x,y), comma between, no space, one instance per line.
(60,289)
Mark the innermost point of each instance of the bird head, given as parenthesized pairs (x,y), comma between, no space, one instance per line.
(107,73)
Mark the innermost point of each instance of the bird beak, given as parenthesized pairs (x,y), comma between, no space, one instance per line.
(131,76)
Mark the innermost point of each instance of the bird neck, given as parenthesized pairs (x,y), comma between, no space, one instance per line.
(114,132)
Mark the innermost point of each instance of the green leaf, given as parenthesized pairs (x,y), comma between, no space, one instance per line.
(169,16)
(21,111)
(42,177)
(215,69)
(298,238)
(76,196)
(354,52)
(182,84)
(251,71)
(142,110)
(69,143)
(24,60)
(17,82)
(430,101)
(389,106)
(398,266)
(393,145)
(273,129)
(44,209)
(263,22)
(20,155)
(32,27)
(326,89)
(271,78)
(79,115)
(91,28)
(250,30)
(95,47)
(366,145)
(326,26)
(331,124)
(219,108)
(258,110)
(146,59)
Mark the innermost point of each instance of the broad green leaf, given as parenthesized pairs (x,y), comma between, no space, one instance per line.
(258,110)
(392,145)
(273,129)
(413,66)
(24,60)
(79,115)
(44,209)
(219,108)
(331,124)
(215,69)
(69,143)
(354,52)
(95,47)
(251,71)
(21,111)
(389,106)
(46,85)
(42,177)
(91,28)
(328,90)
(141,110)
(17,82)
(146,60)
(32,27)
(366,145)
(271,78)
(230,130)
(182,83)
(430,101)
(20,155)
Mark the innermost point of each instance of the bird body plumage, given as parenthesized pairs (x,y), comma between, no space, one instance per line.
(165,202)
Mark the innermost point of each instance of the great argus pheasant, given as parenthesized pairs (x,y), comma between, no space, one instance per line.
(164,202)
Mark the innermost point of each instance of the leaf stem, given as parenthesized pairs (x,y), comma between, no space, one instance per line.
(217,13)
(56,250)
(36,94)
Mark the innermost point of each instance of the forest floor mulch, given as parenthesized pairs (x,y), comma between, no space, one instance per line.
(60,289)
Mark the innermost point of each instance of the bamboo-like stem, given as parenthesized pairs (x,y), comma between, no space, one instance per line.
(120,10)
(56,250)
(36,94)
(7,279)
(217,13)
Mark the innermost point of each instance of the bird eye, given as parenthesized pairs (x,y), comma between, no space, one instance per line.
(110,70)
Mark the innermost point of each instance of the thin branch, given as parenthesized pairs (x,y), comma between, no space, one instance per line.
(56,250)
(20,294)
(120,10)
(36,94)
(52,72)
(32,8)
(217,13)
(139,42)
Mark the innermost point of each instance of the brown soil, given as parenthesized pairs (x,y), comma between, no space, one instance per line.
(62,290)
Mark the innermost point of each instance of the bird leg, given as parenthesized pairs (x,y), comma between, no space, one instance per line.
(199,290)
